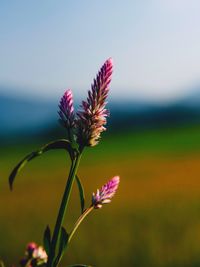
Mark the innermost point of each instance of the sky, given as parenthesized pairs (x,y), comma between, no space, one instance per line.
(48,46)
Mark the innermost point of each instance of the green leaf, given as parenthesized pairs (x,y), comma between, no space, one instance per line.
(63,239)
(80,265)
(57,144)
(81,193)
(62,245)
(47,240)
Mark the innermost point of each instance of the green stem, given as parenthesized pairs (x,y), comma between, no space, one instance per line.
(62,210)
(79,221)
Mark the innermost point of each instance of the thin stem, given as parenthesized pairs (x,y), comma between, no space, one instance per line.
(28,263)
(79,221)
(62,210)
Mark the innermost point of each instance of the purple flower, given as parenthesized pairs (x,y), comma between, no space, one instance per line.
(34,256)
(92,117)
(66,111)
(105,194)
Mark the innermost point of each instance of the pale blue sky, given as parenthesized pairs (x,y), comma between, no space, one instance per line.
(47,46)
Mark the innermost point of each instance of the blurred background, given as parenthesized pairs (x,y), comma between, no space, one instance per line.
(153,133)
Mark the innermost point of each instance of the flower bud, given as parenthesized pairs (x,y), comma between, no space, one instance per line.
(104,195)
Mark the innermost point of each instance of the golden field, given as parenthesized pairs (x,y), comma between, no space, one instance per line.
(154,219)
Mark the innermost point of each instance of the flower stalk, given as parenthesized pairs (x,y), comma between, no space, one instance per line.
(79,221)
(63,208)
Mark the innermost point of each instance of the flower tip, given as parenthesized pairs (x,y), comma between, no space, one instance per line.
(110,61)
(68,91)
(116,179)
(67,95)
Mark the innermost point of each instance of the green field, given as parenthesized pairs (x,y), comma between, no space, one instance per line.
(154,219)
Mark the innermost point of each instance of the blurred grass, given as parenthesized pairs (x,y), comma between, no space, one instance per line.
(154,220)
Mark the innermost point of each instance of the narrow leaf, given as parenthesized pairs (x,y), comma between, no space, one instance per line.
(47,240)
(57,144)
(62,245)
(80,265)
(81,193)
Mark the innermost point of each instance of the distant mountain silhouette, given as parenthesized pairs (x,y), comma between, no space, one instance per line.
(18,114)
(192,99)
(21,117)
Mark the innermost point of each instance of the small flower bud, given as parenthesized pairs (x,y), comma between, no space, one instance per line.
(104,195)
(66,110)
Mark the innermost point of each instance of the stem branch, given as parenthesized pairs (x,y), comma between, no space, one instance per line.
(79,221)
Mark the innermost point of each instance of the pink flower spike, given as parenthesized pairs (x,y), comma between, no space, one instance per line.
(104,195)
(66,110)
(92,117)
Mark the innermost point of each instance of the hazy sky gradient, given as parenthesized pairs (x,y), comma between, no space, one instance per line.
(47,46)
